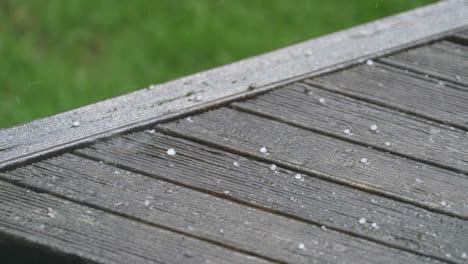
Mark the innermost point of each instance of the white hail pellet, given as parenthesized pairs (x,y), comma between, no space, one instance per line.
(464,255)
(347,132)
(373,127)
(147,203)
(362,220)
(388,144)
(235,163)
(370,62)
(263,150)
(76,123)
(375,225)
(301,246)
(321,100)
(298,177)
(171,152)
(444,203)
(273,167)
(364,160)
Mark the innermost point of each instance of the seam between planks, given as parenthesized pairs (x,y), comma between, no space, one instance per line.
(259,206)
(347,139)
(39,190)
(388,106)
(285,65)
(315,174)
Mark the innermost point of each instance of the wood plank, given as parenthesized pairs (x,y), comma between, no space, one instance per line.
(402,90)
(311,199)
(96,236)
(462,36)
(139,109)
(413,137)
(199,214)
(333,159)
(445,60)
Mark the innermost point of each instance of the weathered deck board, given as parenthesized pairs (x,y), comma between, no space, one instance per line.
(98,236)
(141,108)
(405,91)
(462,35)
(298,104)
(445,60)
(335,206)
(203,215)
(330,158)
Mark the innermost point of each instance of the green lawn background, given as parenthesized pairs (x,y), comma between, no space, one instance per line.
(56,55)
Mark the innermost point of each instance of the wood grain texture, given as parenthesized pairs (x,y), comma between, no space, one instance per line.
(333,159)
(462,36)
(141,108)
(97,236)
(199,214)
(405,91)
(407,135)
(311,199)
(445,60)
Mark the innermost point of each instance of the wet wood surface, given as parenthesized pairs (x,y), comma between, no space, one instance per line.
(368,164)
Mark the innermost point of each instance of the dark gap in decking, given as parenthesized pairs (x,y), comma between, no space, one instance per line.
(141,220)
(256,206)
(348,139)
(421,73)
(459,39)
(298,169)
(395,108)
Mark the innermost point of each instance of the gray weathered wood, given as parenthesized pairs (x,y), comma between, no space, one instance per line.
(311,199)
(337,160)
(99,236)
(445,60)
(229,82)
(462,35)
(298,104)
(203,215)
(399,89)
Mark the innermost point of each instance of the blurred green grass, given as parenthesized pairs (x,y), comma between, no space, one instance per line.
(57,55)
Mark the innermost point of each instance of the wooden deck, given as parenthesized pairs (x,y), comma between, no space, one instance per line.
(351,148)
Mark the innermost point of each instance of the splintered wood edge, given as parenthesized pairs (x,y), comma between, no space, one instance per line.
(244,78)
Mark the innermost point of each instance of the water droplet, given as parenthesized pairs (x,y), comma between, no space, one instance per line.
(347,132)
(298,177)
(301,246)
(362,220)
(171,152)
(364,160)
(235,163)
(76,123)
(321,100)
(370,62)
(388,144)
(263,150)
(373,127)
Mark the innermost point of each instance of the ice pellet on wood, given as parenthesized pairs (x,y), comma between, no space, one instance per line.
(347,132)
(263,150)
(322,100)
(235,163)
(171,152)
(373,127)
(362,220)
(273,167)
(298,177)
(301,246)
(364,160)
(375,225)
(370,62)
(76,123)
(388,144)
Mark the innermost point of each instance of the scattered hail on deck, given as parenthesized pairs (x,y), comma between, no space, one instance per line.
(364,160)
(348,132)
(76,123)
(362,220)
(273,167)
(263,150)
(374,128)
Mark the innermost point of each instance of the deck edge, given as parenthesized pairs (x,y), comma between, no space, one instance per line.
(233,81)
